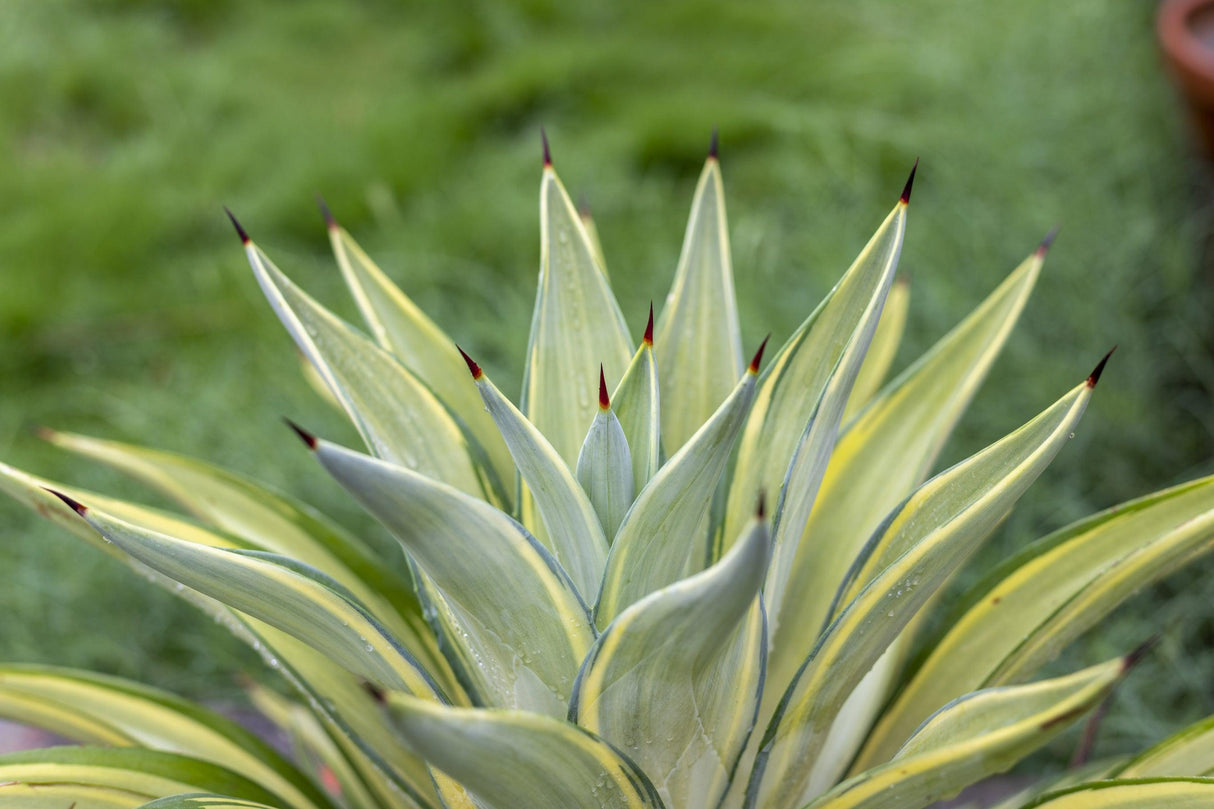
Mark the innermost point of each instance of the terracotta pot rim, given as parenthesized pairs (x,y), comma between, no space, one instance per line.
(1176,36)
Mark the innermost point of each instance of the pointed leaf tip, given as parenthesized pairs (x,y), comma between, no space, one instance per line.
(754,363)
(648,338)
(330,222)
(303,434)
(1135,657)
(43,432)
(761,508)
(910,182)
(547,152)
(1094,377)
(244,237)
(714,144)
(475,369)
(604,400)
(583,206)
(72,504)
(1044,247)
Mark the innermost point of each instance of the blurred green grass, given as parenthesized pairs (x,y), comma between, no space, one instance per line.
(127,310)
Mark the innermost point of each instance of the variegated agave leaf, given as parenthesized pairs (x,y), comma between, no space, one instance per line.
(590,612)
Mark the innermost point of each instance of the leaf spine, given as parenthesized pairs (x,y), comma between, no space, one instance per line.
(910,182)
(1094,377)
(754,363)
(477,373)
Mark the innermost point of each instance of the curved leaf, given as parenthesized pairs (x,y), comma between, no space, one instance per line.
(699,342)
(399,326)
(1189,752)
(510,759)
(515,610)
(278,591)
(274,523)
(573,532)
(143,774)
(201,800)
(975,736)
(1029,608)
(918,547)
(398,417)
(664,535)
(675,680)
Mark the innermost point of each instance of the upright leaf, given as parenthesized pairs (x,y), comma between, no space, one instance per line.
(517,613)
(399,326)
(919,546)
(792,386)
(573,532)
(511,759)
(576,326)
(604,466)
(882,350)
(1029,608)
(637,405)
(699,342)
(664,535)
(675,680)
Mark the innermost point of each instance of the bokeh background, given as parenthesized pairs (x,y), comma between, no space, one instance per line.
(127,310)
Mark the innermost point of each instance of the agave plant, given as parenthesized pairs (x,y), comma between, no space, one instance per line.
(593,606)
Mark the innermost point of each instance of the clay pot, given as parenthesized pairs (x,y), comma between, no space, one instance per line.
(1186,34)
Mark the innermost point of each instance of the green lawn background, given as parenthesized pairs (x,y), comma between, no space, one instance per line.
(128,312)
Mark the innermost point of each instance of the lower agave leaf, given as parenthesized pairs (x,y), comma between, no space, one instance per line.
(1144,793)
(1035,603)
(92,708)
(311,744)
(978,735)
(201,801)
(917,549)
(279,592)
(675,680)
(1190,752)
(517,612)
(664,536)
(14,795)
(511,759)
(130,773)
(274,523)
